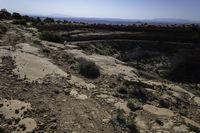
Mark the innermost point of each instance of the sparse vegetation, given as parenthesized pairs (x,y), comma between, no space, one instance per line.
(193,128)
(126,121)
(122,90)
(3,28)
(88,69)
(20,22)
(164,103)
(177,33)
(135,91)
(49,20)
(131,124)
(133,105)
(121,119)
(51,36)
(183,112)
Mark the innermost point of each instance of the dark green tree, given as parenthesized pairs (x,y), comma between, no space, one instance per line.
(48,20)
(16,15)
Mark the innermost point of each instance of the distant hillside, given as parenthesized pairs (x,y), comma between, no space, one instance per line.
(117,21)
(173,20)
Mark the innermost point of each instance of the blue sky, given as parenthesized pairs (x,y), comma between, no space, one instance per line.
(125,9)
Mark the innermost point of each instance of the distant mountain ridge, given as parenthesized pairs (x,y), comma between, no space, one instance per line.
(118,21)
(173,20)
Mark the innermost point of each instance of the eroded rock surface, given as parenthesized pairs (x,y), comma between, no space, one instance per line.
(50,95)
(16,110)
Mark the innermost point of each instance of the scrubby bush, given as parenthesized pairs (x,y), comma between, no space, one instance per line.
(140,92)
(51,36)
(126,121)
(20,22)
(122,90)
(88,69)
(134,105)
(164,103)
(3,28)
(130,123)
(121,119)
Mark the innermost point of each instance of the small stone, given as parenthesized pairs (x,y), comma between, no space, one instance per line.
(54,126)
(198,85)
(67,91)
(22,108)
(64,100)
(45,116)
(106,121)
(56,91)
(24,89)
(41,126)
(91,125)
(181,129)
(53,119)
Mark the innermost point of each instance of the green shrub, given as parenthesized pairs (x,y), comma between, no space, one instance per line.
(131,125)
(20,22)
(134,105)
(122,90)
(164,103)
(140,92)
(121,119)
(3,28)
(126,121)
(51,37)
(88,69)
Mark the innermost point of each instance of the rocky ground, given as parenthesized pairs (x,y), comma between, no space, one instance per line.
(41,90)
